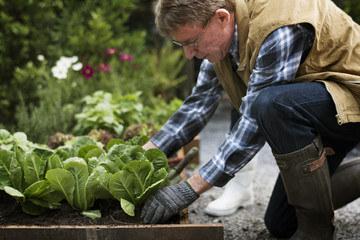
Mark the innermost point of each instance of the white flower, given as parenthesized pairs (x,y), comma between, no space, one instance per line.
(59,72)
(40,58)
(73,59)
(64,62)
(77,66)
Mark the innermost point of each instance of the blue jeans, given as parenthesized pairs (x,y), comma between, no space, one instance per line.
(290,117)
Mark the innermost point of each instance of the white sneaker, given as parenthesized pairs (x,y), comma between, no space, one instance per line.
(237,193)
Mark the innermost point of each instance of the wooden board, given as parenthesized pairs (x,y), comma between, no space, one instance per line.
(130,232)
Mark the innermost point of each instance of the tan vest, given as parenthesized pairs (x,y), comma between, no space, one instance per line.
(334,58)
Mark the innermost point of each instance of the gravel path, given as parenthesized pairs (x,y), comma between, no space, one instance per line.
(247,223)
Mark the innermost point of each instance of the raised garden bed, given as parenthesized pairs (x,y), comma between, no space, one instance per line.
(65,223)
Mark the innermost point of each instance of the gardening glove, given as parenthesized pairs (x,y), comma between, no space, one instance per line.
(167,201)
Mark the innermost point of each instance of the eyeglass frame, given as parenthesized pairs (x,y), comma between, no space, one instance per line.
(194,44)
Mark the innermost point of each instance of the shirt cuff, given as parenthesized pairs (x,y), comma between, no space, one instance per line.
(161,140)
(213,175)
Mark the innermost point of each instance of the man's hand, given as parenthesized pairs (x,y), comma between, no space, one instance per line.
(167,201)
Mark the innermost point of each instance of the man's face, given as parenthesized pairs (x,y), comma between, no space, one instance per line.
(211,42)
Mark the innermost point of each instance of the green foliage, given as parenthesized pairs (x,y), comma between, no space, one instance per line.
(22,176)
(36,99)
(80,172)
(160,110)
(140,174)
(352,7)
(117,113)
(10,141)
(109,112)
(54,28)
(164,68)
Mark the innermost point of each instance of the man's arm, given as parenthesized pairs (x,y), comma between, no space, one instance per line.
(198,183)
(193,114)
(149,145)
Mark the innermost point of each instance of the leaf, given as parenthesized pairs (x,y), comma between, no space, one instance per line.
(158,180)
(95,152)
(35,164)
(92,163)
(121,186)
(142,171)
(93,214)
(10,170)
(45,204)
(132,181)
(116,152)
(83,151)
(64,152)
(31,208)
(104,180)
(32,168)
(4,135)
(55,162)
(82,141)
(111,166)
(113,142)
(43,191)
(80,174)
(128,207)
(14,193)
(158,159)
(62,181)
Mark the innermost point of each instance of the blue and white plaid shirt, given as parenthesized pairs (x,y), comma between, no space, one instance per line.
(277,63)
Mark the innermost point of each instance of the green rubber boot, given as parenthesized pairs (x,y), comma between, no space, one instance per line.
(306,179)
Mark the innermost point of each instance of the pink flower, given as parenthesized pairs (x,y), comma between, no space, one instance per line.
(125,57)
(111,50)
(103,67)
(87,71)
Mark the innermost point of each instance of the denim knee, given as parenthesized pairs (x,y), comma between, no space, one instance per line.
(263,106)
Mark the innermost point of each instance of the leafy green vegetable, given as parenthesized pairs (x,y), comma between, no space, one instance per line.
(18,139)
(39,178)
(137,174)
(22,176)
(103,110)
(79,183)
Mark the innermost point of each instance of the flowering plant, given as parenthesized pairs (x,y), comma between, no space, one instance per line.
(62,66)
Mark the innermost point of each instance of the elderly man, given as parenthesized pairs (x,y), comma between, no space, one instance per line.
(291,69)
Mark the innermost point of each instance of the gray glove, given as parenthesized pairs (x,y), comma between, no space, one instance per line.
(167,201)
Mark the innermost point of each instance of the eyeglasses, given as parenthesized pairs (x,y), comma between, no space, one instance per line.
(194,44)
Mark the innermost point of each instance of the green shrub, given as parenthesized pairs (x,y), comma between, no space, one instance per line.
(39,98)
(55,28)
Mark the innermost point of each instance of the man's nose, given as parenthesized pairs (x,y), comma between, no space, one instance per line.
(190,52)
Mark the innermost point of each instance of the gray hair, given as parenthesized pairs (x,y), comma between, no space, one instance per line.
(174,14)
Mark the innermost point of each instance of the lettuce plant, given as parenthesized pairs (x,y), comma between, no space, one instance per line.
(81,172)
(136,174)
(76,175)
(22,176)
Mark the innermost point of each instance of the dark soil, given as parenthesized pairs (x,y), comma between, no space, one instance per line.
(112,214)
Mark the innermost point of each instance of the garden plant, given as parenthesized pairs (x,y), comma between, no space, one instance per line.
(79,173)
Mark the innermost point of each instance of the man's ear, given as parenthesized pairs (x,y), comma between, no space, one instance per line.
(222,16)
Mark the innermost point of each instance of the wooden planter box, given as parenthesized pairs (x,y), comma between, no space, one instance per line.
(181,231)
